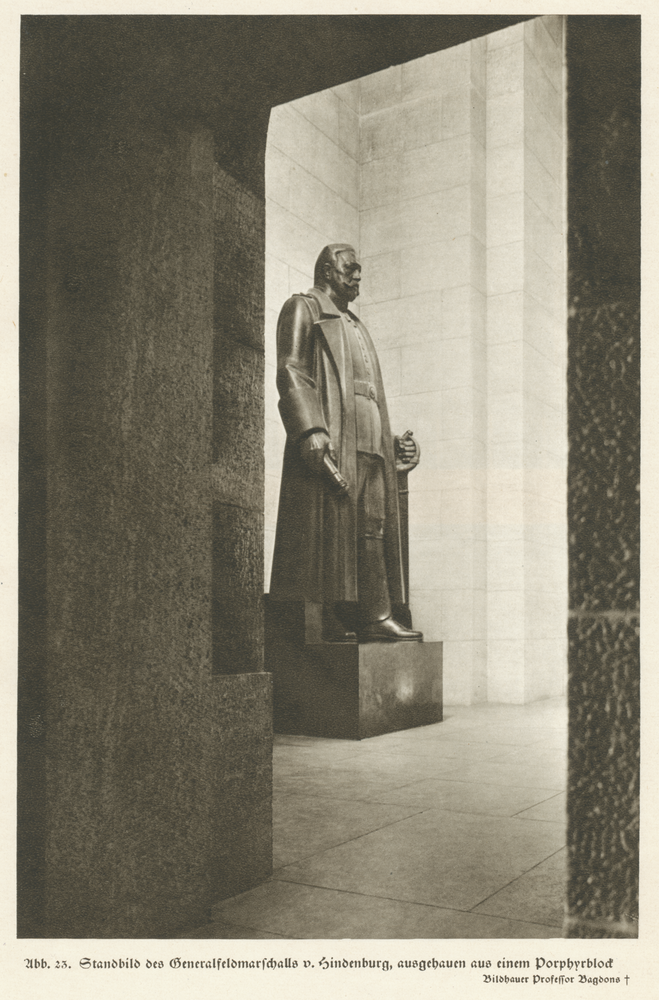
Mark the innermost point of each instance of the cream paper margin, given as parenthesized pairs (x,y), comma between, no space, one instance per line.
(637,959)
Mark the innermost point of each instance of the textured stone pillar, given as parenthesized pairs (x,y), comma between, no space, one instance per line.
(145,717)
(238,218)
(603,379)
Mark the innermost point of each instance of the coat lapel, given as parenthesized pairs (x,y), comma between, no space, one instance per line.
(331,324)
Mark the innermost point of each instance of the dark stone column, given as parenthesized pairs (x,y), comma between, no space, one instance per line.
(239,416)
(145,786)
(603,383)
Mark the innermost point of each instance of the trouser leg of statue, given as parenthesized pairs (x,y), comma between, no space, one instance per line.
(374,612)
(374,602)
(376,623)
(372,583)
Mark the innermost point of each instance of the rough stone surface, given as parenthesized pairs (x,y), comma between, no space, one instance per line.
(605,456)
(238,572)
(238,467)
(603,816)
(603,407)
(241,728)
(146,824)
(238,419)
(239,260)
(145,782)
(182,813)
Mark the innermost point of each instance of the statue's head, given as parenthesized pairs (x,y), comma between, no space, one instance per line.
(338,272)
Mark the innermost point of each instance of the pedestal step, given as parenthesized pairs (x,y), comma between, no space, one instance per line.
(346,690)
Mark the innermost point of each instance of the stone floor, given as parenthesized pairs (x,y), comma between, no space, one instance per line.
(455,830)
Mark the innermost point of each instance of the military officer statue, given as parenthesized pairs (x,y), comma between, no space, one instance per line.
(338,539)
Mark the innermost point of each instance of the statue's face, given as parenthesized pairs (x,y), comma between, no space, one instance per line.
(344,278)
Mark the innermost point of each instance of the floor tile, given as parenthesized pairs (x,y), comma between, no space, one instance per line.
(453,830)
(436,857)
(507,716)
(344,784)
(552,810)
(469,797)
(408,766)
(309,741)
(536,755)
(318,755)
(223,931)
(537,895)
(522,929)
(557,741)
(305,825)
(496,735)
(301,911)
(460,749)
(282,770)
(542,776)
(551,711)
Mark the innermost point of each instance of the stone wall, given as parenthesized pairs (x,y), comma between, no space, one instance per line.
(423,248)
(145,718)
(526,360)
(460,228)
(604,464)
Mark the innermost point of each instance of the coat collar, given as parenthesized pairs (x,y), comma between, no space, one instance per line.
(328,308)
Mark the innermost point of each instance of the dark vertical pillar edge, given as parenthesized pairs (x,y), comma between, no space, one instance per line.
(31,519)
(603,58)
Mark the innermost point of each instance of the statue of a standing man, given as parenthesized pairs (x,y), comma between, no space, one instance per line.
(338,540)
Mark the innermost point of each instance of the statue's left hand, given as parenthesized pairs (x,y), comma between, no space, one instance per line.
(407,452)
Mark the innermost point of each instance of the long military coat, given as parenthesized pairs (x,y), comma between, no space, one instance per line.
(315,557)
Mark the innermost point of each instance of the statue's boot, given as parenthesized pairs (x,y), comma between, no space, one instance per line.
(376,621)
(389,630)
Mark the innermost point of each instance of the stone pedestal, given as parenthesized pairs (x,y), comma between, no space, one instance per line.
(346,690)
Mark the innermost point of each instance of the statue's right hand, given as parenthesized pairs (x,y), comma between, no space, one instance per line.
(313,449)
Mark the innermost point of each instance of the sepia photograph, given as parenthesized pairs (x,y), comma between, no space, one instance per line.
(329,465)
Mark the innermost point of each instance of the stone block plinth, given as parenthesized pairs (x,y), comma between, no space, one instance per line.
(347,690)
